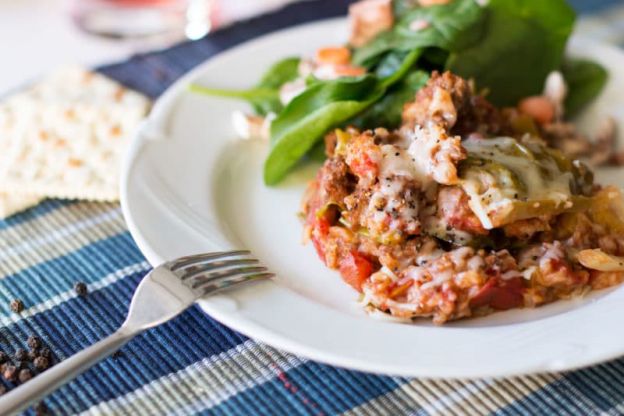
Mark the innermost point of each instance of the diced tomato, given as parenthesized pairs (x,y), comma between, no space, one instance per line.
(500,294)
(338,55)
(363,165)
(318,246)
(349,70)
(539,107)
(322,225)
(355,269)
(320,230)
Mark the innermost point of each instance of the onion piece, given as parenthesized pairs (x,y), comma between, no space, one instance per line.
(597,259)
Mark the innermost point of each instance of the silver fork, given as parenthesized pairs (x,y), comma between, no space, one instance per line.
(165,292)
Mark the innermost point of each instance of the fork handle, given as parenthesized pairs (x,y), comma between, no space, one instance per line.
(21,397)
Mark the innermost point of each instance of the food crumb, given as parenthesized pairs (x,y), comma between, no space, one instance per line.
(117,355)
(4,357)
(17,305)
(81,288)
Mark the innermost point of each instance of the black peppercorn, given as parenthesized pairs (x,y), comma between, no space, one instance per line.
(21,354)
(41,409)
(17,305)
(80,288)
(25,375)
(41,363)
(34,342)
(10,372)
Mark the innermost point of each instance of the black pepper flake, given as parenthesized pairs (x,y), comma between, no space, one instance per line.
(17,305)
(34,342)
(41,409)
(21,354)
(9,372)
(25,375)
(534,258)
(81,288)
(397,154)
(41,363)
(46,353)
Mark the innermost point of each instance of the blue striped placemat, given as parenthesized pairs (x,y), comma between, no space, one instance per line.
(194,365)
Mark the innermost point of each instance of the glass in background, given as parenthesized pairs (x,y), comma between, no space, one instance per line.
(132,19)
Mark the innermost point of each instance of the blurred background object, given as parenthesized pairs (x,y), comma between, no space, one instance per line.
(144,18)
(37,36)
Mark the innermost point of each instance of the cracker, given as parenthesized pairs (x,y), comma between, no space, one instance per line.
(11,203)
(67,136)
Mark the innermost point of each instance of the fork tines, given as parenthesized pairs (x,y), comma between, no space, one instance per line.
(214,271)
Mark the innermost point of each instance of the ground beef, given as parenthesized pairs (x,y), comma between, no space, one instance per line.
(450,100)
(335,180)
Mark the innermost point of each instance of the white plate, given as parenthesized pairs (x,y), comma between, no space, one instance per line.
(189,187)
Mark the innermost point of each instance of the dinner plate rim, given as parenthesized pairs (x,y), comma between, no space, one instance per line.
(161,111)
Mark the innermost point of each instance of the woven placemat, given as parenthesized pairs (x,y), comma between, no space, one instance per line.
(194,365)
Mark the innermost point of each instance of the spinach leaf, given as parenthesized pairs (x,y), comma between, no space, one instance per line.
(324,105)
(395,69)
(387,112)
(401,7)
(310,115)
(261,98)
(317,153)
(280,73)
(264,97)
(585,80)
(451,27)
(524,40)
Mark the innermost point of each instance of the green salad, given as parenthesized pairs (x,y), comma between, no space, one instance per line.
(507,47)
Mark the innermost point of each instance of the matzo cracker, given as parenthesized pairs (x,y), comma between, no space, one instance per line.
(69,133)
(11,203)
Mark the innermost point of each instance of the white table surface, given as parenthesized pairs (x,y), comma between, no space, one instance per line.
(37,36)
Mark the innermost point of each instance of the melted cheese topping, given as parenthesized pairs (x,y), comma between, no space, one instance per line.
(394,202)
(506,171)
